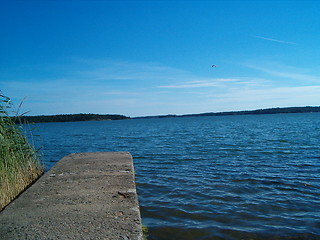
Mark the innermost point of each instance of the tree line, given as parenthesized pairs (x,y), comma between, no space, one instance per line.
(267,111)
(69,118)
(245,112)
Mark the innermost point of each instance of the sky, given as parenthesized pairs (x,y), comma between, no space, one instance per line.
(141,58)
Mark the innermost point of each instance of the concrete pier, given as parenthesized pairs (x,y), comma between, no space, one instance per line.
(84,196)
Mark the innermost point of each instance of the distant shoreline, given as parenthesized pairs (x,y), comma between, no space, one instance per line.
(277,110)
(103,117)
(70,118)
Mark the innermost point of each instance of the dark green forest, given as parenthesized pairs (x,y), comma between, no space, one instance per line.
(264,111)
(70,118)
(102,117)
(246,112)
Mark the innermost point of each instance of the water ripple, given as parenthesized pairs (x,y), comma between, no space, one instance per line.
(233,177)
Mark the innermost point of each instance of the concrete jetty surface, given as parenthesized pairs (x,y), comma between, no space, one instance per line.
(84,196)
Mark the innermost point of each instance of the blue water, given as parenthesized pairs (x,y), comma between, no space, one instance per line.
(227,177)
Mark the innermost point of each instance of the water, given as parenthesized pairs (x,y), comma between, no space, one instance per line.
(230,177)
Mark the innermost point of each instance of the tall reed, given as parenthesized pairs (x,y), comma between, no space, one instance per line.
(19,162)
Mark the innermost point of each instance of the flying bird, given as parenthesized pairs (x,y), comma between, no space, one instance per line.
(213,65)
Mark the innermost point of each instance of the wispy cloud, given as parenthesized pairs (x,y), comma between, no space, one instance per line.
(287,72)
(217,82)
(193,84)
(275,40)
(121,70)
(143,88)
(239,99)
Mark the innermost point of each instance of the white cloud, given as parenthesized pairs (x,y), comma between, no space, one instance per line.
(271,97)
(192,84)
(280,70)
(137,89)
(119,70)
(275,40)
(218,82)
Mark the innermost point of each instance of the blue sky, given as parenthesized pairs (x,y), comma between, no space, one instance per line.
(141,58)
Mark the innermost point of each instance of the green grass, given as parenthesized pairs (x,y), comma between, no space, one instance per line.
(145,231)
(19,162)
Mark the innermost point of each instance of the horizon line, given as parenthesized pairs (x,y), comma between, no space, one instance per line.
(186,114)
